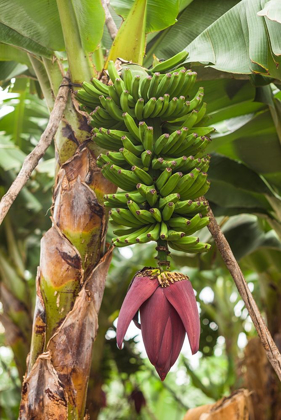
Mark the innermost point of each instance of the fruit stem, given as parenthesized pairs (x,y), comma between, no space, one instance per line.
(162,254)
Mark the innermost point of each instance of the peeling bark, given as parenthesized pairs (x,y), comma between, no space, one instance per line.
(43,396)
(262,382)
(68,355)
(234,407)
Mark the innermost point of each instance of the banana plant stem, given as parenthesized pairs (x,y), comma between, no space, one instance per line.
(162,254)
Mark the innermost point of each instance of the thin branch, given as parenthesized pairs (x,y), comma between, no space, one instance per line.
(31,161)
(271,350)
(112,28)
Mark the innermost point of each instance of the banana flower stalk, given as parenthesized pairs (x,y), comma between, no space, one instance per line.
(168,310)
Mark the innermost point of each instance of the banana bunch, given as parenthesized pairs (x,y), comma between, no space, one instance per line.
(153,140)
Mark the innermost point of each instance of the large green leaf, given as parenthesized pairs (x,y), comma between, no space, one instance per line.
(36,25)
(9,69)
(238,175)
(32,25)
(193,20)
(272,10)
(160,14)
(245,236)
(129,43)
(240,42)
(9,53)
(253,140)
(90,18)
(11,157)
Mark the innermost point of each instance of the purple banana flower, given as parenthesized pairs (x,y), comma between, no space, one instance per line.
(166,314)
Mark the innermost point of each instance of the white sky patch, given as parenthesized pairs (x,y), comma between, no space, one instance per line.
(238,308)
(251,286)
(242,340)
(126,252)
(207,295)
(233,296)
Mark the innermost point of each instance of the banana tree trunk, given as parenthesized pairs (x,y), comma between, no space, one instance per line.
(70,280)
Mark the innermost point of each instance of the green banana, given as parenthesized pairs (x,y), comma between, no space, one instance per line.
(164,85)
(127,177)
(175,83)
(130,238)
(135,87)
(189,83)
(187,242)
(173,235)
(105,142)
(144,87)
(139,108)
(157,163)
(201,113)
(168,211)
(120,217)
(135,196)
(160,143)
(191,249)
(149,192)
(133,207)
(124,103)
(113,94)
(187,181)
(203,190)
(117,198)
(149,107)
(191,193)
(119,86)
(164,231)
(144,216)
(173,139)
(131,158)
(101,87)
(171,197)
(165,105)
(158,107)
(146,158)
(91,90)
(170,109)
(170,63)
(153,235)
(152,197)
(171,184)
(116,158)
(147,139)
(131,125)
(127,77)
(113,74)
(124,231)
(163,178)
(189,207)
(154,85)
(143,238)
(123,184)
(156,213)
(178,90)
(142,175)
(127,144)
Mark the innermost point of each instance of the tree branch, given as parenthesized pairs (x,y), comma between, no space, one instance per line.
(110,24)
(271,350)
(31,161)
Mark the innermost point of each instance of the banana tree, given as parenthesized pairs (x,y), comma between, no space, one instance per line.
(74,261)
